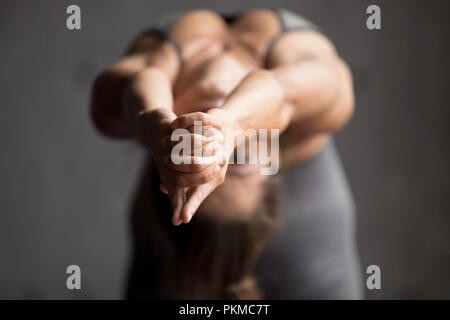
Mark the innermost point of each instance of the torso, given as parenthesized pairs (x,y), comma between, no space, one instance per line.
(202,34)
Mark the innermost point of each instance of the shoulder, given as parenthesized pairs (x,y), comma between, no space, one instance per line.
(260,20)
(197,23)
(299,44)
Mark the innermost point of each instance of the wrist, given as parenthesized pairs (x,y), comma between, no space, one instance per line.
(151,125)
(232,124)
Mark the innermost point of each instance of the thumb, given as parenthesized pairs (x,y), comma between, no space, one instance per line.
(194,198)
(177,198)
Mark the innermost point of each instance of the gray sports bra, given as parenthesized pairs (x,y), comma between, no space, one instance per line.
(288,20)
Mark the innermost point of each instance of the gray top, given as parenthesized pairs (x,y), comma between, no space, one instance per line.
(288,20)
(313,254)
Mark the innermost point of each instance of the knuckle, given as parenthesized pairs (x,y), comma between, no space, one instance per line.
(200,116)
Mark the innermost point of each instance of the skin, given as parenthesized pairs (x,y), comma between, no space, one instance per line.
(303,88)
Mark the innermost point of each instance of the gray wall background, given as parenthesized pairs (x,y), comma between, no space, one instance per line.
(65,190)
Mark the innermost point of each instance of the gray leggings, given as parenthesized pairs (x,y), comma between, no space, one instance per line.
(313,254)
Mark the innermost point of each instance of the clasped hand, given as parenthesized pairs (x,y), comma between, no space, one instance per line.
(190,176)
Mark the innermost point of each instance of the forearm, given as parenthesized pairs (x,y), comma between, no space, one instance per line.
(120,92)
(257,103)
(315,94)
(147,98)
(106,96)
(118,99)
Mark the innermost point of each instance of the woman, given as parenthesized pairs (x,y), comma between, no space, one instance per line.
(285,236)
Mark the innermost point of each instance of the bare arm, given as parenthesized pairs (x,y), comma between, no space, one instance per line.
(139,82)
(133,99)
(314,78)
(307,86)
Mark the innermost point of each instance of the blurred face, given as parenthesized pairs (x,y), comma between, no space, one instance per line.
(239,197)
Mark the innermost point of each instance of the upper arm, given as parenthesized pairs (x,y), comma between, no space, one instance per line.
(147,51)
(308,60)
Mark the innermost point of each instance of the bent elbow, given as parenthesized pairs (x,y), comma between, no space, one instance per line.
(105,108)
